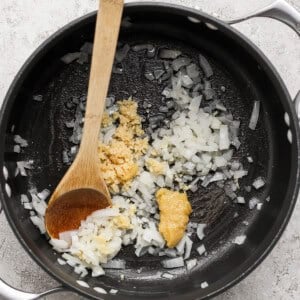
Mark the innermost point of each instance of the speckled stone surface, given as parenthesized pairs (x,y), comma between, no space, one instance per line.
(25,24)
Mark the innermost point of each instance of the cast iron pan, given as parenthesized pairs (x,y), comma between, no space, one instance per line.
(247,76)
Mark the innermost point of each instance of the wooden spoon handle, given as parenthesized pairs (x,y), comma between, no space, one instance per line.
(105,43)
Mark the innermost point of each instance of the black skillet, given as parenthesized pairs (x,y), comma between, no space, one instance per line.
(247,75)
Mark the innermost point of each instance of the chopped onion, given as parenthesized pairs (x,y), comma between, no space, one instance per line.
(24,198)
(149,75)
(192,71)
(204,64)
(21,167)
(268,199)
(150,49)
(122,53)
(239,240)
(241,200)
(115,264)
(87,48)
(208,94)
(113,291)
(201,249)
(253,202)
(70,57)
(62,262)
(250,159)
(158,73)
(259,206)
(28,205)
(224,138)
(43,195)
(65,157)
(188,247)
(254,115)
(204,285)
(67,236)
(38,98)
(23,143)
(247,188)
(258,183)
(173,263)
(200,231)
(17,148)
(180,62)
(5,173)
(38,222)
(167,275)
(239,174)
(169,54)
(190,264)
(59,244)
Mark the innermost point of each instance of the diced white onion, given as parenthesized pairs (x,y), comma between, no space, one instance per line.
(173,263)
(254,115)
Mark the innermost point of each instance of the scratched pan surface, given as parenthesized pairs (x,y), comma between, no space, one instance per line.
(246,75)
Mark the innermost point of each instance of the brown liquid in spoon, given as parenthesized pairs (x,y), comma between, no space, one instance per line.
(67,213)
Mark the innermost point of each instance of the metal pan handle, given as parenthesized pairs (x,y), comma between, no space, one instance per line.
(9,293)
(284,12)
(279,10)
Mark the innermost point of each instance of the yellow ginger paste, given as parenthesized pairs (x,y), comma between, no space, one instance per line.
(175,209)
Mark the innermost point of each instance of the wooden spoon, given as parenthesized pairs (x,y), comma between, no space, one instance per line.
(83,190)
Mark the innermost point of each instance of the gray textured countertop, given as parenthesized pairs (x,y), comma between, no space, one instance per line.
(25,24)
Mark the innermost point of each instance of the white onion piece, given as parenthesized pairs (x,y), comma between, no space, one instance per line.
(5,173)
(28,205)
(259,206)
(17,148)
(200,231)
(173,263)
(253,202)
(59,244)
(62,262)
(204,285)
(239,240)
(20,141)
(67,236)
(224,138)
(250,159)
(70,57)
(188,247)
(258,183)
(118,264)
(105,213)
(201,249)
(241,200)
(24,198)
(8,189)
(191,263)
(43,195)
(181,245)
(38,222)
(167,275)
(113,291)
(254,115)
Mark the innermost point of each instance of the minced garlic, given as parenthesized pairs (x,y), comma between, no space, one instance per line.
(119,157)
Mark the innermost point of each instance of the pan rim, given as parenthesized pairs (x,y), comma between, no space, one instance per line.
(291,197)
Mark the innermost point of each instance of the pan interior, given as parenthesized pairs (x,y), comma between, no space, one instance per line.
(42,124)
